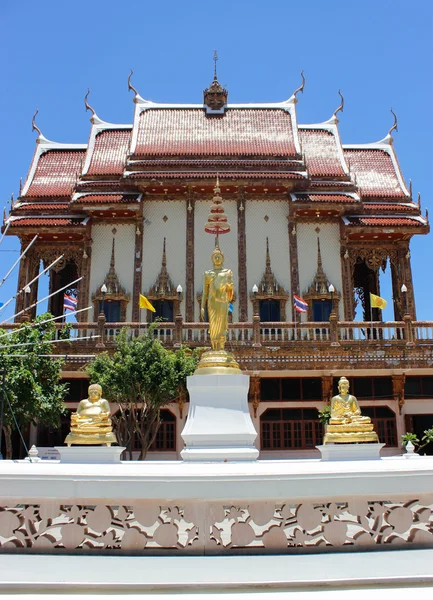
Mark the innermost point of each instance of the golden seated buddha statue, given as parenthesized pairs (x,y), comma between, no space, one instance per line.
(91,424)
(347,425)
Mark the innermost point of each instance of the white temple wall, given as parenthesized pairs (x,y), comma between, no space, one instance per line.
(102,236)
(307,256)
(204,244)
(257,229)
(164,220)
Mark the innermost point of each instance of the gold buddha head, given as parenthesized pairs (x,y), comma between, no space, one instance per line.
(343,386)
(217,257)
(95,392)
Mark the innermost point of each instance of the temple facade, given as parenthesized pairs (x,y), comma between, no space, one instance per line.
(309,215)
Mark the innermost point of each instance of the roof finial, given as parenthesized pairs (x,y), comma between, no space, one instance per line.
(21,185)
(87,105)
(301,87)
(395,124)
(131,87)
(340,108)
(215,58)
(34,126)
(419,200)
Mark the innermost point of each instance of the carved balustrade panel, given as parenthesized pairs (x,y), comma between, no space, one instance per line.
(159,527)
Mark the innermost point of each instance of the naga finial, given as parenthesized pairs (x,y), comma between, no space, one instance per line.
(395,125)
(87,105)
(301,87)
(130,86)
(215,58)
(34,126)
(341,107)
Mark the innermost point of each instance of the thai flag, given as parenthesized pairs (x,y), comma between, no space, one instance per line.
(299,304)
(69,303)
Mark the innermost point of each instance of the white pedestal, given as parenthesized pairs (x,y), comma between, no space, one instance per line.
(90,454)
(350,451)
(219,425)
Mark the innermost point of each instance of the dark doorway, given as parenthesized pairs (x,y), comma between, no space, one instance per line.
(270,311)
(366,281)
(419,424)
(321,310)
(58,280)
(111,310)
(163,310)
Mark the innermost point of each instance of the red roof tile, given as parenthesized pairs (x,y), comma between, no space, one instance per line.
(109,153)
(106,199)
(33,222)
(384,221)
(56,173)
(375,173)
(321,155)
(333,198)
(390,207)
(98,185)
(212,175)
(39,206)
(215,162)
(170,132)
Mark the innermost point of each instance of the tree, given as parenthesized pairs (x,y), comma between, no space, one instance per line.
(412,437)
(325,414)
(141,377)
(30,380)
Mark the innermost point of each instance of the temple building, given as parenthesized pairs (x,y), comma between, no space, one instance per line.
(310,216)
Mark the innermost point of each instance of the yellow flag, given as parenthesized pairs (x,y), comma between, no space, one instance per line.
(144,303)
(377,301)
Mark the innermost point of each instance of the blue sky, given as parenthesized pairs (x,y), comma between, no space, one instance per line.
(378,52)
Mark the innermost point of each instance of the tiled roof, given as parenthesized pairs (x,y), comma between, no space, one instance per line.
(212,175)
(39,206)
(105,185)
(171,132)
(105,199)
(33,222)
(215,162)
(375,173)
(321,153)
(390,207)
(332,198)
(56,173)
(384,221)
(109,153)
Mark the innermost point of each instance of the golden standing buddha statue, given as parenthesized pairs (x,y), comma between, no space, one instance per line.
(91,424)
(217,295)
(347,425)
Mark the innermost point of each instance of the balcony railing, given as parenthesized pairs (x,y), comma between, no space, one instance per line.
(255,333)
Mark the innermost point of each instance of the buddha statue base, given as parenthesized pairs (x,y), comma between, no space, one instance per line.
(95,437)
(350,434)
(217,362)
